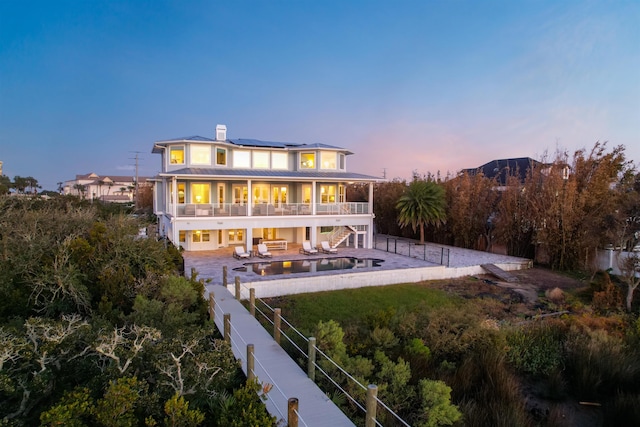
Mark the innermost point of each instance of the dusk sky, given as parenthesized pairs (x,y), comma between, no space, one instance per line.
(406,85)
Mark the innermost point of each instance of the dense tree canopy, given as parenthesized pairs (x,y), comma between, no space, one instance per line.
(97,327)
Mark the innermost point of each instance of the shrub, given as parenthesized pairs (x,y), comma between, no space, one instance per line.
(600,364)
(536,349)
(488,391)
(246,409)
(435,405)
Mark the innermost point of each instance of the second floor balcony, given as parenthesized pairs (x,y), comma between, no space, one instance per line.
(267,209)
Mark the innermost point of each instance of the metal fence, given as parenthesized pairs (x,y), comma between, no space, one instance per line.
(427,252)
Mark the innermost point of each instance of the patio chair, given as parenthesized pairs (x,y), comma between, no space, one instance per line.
(239,253)
(307,249)
(263,251)
(327,249)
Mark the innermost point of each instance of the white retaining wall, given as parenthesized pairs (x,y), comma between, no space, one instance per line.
(303,285)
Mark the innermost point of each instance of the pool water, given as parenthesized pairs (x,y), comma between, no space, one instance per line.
(309,265)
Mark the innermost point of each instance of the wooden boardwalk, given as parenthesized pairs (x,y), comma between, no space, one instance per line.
(499,273)
(274,366)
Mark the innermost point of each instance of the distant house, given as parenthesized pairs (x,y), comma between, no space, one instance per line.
(107,188)
(217,192)
(500,169)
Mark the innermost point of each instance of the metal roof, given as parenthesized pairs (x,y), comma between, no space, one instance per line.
(270,174)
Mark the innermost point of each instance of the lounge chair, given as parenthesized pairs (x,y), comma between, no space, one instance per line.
(263,252)
(327,249)
(239,253)
(307,249)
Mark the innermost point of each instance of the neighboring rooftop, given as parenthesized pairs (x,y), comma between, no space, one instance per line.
(500,169)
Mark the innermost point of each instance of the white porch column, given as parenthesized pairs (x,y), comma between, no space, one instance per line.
(313,198)
(248,233)
(369,243)
(173,199)
(249,198)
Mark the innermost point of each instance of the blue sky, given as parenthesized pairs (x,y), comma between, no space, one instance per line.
(406,85)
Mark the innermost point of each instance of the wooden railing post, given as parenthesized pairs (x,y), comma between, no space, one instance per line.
(212,306)
(227,327)
(252,301)
(371,405)
(277,322)
(292,412)
(250,362)
(224,276)
(311,363)
(238,288)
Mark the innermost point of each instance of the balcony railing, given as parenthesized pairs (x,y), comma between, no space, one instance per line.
(268,209)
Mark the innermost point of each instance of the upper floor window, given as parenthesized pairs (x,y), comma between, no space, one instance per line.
(327,159)
(180,191)
(241,159)
(341,158)
(279,160)
(176,155)
(221,156)
(327,194)
(200,154)
(261,159)
(200,193)
(307,160)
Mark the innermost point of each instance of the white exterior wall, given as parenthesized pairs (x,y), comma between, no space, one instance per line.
(608,259)
(291,286)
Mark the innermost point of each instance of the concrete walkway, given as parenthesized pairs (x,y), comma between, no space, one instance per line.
(274,366)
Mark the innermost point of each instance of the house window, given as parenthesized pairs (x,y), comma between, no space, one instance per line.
(221,194)
(236,236)
(221,156)
(241,159)
(324,229)
(279,194)
(198,236)
(341,157)
(182,236)
(200,154)
(200,193)
(181,193)
(219,237)
(328,159)
(240,194)
(306,193)
(260,194)
(279,160)
(341,193)
(327,194)
(307,160)
(261,159)
(176,155)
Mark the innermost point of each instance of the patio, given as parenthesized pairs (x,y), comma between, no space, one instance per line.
(396,267)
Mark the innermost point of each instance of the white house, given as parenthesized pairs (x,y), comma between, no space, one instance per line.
(216,192)
(108,188)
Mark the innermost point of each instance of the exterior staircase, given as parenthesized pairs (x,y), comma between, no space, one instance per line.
(340,234)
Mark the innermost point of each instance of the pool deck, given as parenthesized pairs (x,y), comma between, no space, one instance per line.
(208,264)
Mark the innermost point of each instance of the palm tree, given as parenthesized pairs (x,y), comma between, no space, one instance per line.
(422,203)
(81,189)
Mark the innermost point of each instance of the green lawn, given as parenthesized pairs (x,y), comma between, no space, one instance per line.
(352,305)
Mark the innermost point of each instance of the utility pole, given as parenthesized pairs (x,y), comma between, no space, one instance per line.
(137,204)
(384,173)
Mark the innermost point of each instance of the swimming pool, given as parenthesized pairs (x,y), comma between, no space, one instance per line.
(308,265)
